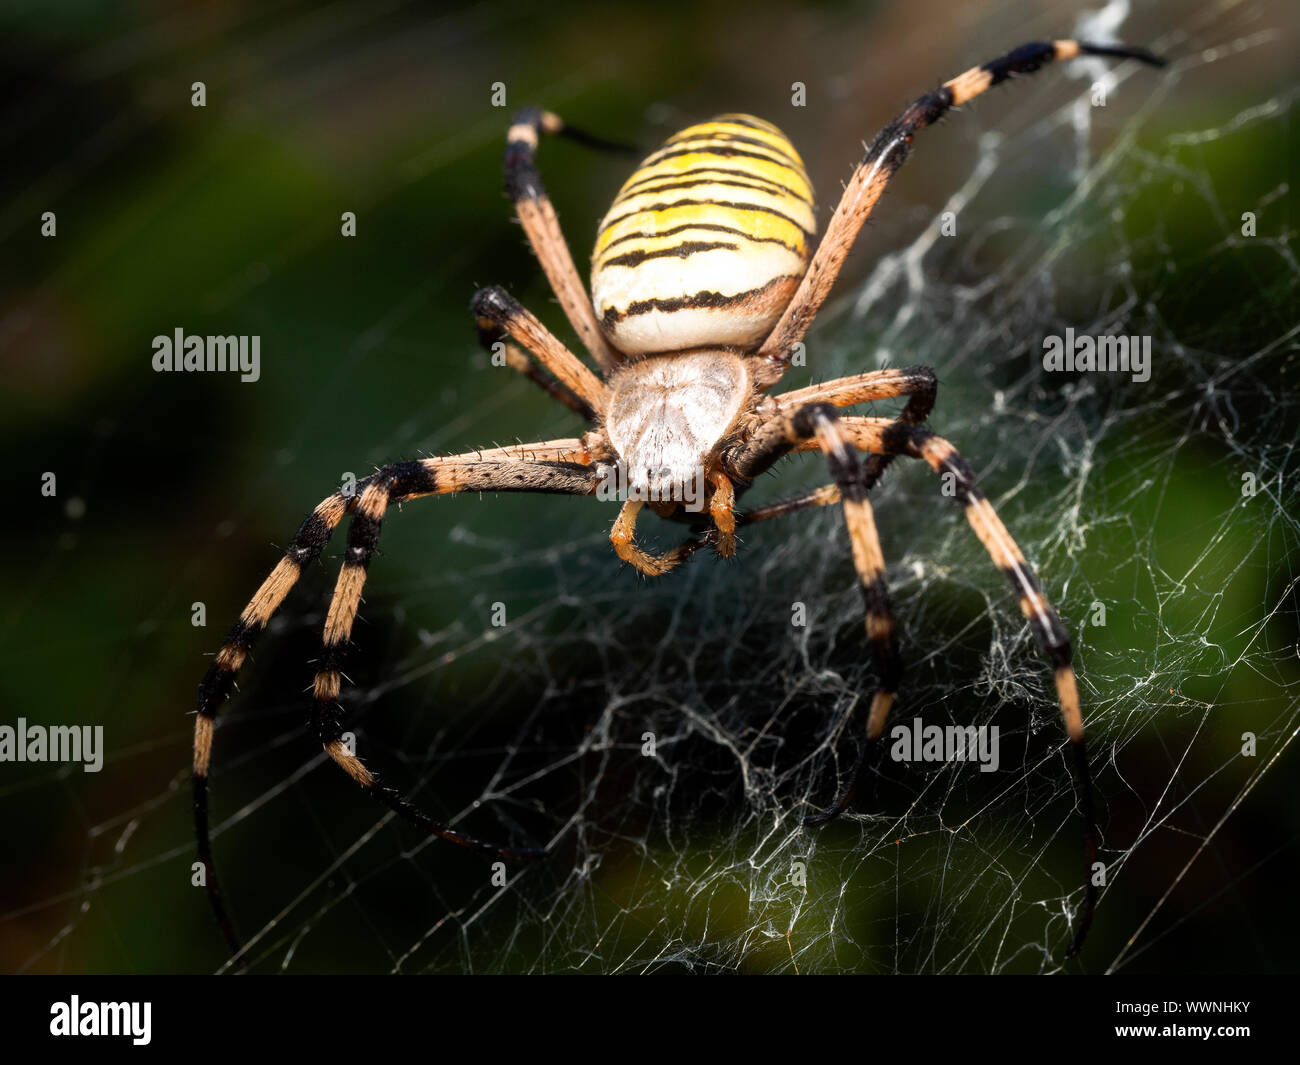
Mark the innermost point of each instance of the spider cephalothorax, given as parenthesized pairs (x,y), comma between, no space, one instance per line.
(704,283)
(668,416)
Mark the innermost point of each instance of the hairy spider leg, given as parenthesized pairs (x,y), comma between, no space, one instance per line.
(887,153)
(892,437)
(496,308)
(490,334)
(544,466)
(542,226)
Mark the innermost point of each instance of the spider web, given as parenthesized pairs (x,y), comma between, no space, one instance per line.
(663,739)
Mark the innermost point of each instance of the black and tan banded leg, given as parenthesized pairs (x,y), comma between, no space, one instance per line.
(768,441)
(918,383)
(818,425)
(501,314)
(888,151)
(537,215)
(883,436)
(303,550)
(395,484)
(490,335)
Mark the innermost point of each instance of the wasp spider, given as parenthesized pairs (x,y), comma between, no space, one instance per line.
(705,277)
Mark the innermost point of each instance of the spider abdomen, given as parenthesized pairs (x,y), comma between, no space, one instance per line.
(706,242)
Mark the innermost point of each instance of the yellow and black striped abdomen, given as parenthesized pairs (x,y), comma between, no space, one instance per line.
(705,244)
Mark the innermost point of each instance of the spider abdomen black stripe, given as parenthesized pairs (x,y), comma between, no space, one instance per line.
(734,174)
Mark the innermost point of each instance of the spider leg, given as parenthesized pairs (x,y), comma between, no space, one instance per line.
(395,484)
(720,534)
(513,468)
(917,383)
(768,439)
(623,537)
(778,436)
(495,307)
(888,151)
(490,335)
(303,549)
(825,496)
(725,521)
(533,206)
(818,425)
(884,436)
(722,509)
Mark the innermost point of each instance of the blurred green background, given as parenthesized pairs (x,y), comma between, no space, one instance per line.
(175,489)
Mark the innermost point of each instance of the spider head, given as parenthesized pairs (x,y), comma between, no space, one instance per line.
(666,417)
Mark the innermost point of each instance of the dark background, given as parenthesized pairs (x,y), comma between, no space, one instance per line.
(226,220)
